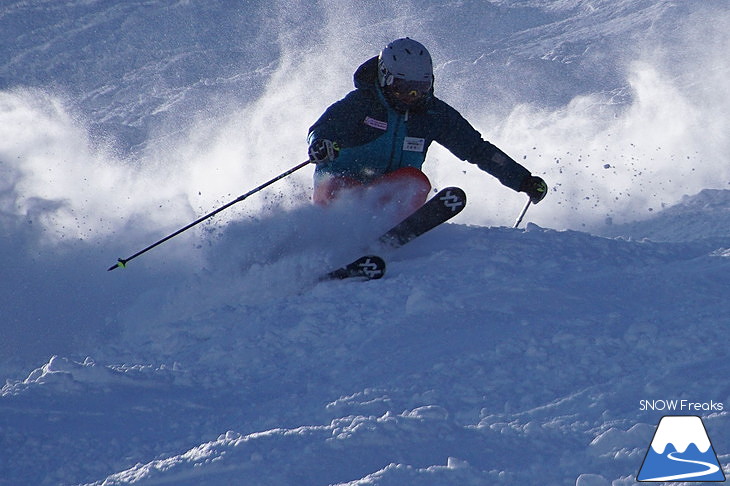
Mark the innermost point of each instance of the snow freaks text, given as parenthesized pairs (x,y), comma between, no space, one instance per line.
(683,405)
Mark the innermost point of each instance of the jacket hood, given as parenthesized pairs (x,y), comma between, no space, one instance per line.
(366,76)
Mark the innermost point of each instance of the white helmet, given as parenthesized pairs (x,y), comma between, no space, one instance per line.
(404,59)
(405,72)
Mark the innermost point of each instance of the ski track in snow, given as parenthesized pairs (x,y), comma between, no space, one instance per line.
(487,355)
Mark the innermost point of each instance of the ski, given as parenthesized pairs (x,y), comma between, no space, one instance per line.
(446,204)
(369,267)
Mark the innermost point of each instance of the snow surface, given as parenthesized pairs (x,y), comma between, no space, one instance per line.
(487,355)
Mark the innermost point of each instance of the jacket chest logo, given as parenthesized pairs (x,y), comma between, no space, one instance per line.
(372,122)
(414,144)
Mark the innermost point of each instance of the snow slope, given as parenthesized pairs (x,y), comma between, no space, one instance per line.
(487,355)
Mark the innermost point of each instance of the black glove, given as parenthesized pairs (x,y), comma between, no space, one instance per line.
(322,151)
(534,187)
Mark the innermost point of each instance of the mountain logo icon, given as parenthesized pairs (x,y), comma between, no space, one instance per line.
(680,451)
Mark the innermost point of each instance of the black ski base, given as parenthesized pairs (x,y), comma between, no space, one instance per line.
(446,204)
(369,267)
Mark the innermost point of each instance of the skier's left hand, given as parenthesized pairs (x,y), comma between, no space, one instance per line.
(534,187)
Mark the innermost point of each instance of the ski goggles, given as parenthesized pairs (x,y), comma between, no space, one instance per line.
(407,90)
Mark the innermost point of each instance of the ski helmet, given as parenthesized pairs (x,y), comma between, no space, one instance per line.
(405,70)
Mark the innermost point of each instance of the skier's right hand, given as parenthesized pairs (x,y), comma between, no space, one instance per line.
(322,151)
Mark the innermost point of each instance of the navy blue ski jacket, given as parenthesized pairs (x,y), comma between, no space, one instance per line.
(375,139)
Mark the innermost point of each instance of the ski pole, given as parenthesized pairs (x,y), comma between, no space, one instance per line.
(122,262)
(522,214)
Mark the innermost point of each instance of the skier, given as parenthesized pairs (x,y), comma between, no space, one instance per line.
(379,133)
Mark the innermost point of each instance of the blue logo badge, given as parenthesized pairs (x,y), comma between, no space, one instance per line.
(680,451)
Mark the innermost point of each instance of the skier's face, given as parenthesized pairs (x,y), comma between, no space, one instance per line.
(407,93)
